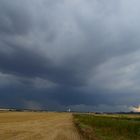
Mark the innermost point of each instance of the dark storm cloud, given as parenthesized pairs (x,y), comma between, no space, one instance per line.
(27,63)
(79,53)
(14,19)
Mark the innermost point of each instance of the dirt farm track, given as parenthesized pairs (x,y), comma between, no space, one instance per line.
(37,126)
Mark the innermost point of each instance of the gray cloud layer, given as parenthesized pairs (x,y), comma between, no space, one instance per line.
(55,54)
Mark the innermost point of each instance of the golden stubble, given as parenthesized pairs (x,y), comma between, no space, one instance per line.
(37,126)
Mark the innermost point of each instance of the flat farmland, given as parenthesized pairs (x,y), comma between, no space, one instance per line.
(37,126)
(108,127)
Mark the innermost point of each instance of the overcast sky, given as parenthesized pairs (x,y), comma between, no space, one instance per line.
(82,54)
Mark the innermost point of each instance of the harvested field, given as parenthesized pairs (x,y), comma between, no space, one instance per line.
(37,126)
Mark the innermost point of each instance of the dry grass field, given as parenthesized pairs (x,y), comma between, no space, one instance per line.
(37,126)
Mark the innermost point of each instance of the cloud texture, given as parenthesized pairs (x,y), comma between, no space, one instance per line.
(61,53)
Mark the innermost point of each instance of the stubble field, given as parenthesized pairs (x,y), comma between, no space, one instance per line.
(37,126)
